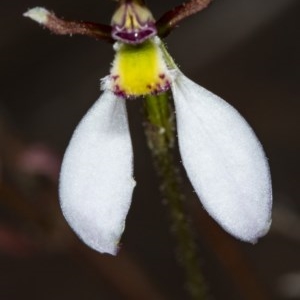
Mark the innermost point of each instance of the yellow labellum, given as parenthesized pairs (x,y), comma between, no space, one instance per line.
(139,69)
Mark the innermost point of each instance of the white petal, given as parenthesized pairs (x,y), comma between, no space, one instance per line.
(96,180)
(224,161)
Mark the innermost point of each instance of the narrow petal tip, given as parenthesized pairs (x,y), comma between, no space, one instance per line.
(38,14)
(261,233)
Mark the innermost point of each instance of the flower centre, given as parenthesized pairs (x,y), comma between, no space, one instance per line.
(132,23)
(138,70)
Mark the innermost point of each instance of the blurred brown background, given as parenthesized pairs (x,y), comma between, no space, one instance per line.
(246,51)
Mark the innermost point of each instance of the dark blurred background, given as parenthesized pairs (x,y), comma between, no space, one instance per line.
(247,52)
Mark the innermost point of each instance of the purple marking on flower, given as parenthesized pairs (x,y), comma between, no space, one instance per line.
(120,94)
(134,37)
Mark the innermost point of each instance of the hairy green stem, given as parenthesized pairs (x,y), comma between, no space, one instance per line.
(160,136)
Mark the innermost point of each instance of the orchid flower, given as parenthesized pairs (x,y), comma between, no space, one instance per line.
(222,157)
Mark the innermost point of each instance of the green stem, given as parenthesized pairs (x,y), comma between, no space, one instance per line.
(160,136)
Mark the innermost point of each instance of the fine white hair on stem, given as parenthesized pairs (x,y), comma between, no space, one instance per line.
(96,182)
(224,160)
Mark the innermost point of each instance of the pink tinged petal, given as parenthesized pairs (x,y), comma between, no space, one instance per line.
(96,182)
(224,161)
